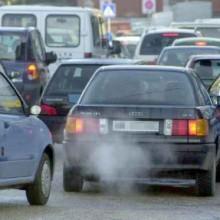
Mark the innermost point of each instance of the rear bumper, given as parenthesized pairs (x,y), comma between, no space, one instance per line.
(138,158)
(56,126)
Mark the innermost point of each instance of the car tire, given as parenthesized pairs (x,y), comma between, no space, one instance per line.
(72,180)
(206,181)
(38,193)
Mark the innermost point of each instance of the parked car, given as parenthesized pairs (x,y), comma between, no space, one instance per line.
(197,41)
(179,55)
(23,55)
(26,158)
(153,41)
(64,89)
(146,132)
(207,67)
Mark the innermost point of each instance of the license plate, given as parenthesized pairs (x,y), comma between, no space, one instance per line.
(136,126)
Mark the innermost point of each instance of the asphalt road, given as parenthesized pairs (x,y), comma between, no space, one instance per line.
(98,203)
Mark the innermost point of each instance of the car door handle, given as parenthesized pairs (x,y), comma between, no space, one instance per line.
(6,125)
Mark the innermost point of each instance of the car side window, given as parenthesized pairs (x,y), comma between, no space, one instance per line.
(43,51)
(202,92)
(206,95)
(37,47)
(96,32)
(10,103)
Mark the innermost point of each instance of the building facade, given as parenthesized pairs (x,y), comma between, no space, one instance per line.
(130,15)
(132,8)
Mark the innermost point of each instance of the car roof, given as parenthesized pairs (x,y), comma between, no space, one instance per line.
(205,57)
(146,67)
(103,61)
(128,38)
(182,23)
(164,30)
(44,7)
(17,29)
(191,47)
(194,39)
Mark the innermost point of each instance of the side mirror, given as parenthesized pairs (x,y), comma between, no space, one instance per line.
(51,57)
(115,48)
(35,110)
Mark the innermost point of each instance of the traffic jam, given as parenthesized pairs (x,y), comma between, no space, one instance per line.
(120,109)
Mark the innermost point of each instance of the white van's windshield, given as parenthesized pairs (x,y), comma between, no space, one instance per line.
(63,31)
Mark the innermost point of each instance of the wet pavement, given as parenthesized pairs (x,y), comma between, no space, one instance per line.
(98,203)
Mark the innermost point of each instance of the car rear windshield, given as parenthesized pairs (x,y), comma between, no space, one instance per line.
(180,56)
(139,87)
(13,46)
(70,79)
(154,43)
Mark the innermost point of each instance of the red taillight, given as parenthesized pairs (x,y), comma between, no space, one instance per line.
(82,125)
(201,43)
(170,34)
(196,127)
(32,72)
(180,128)
(87,55)
(48,110)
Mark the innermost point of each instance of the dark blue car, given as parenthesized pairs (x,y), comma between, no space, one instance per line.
(26,150)
(23,54)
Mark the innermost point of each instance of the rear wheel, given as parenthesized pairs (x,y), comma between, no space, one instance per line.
(38,193)
(72,180)
(206,181)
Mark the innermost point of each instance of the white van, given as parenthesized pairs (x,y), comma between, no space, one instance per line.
(71,32)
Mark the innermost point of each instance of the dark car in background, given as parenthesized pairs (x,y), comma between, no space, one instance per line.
(207,67)
(179,55)
(148,131)
(23,54)
(65,88)
(153,41)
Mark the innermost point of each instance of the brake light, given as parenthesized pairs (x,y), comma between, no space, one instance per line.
(201,43)
(179,128)
(197,127)
(32,72)
(170,34)
(48,110)
(82,125)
